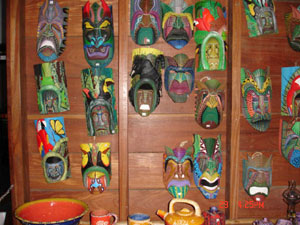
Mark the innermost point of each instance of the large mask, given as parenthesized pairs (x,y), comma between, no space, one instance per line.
(52,145)
(178,170)
(177,25)
(257,94)
(207,165)
(96,166)
(51,34)
(99,99)
(51,87)
(292,23)
(179,77)
(257,176)
(146,82)
(98,34)
(145,21)
(260,15)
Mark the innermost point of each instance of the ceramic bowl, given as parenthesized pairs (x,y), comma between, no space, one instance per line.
(59,211)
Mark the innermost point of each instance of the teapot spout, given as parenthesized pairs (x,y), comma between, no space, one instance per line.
(162,214)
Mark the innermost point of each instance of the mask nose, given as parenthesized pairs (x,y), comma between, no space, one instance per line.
(97,41)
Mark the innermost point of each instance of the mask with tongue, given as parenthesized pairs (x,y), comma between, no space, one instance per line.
(207,165)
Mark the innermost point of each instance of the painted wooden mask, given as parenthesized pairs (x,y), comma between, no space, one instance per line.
(178,170)
(99,99)
(292,24)
(146,81)
(98,34)
(52,28)
(51,86)
(179,77)
(257,94)
(96,166)
(52,144)
(145,21)
(257,176)
(177,25)
(209,104)
(207,165)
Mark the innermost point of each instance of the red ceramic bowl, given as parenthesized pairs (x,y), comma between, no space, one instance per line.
(63,211)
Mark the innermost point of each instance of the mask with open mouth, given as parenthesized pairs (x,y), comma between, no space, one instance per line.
(292,24)
(257,176)
(207,165)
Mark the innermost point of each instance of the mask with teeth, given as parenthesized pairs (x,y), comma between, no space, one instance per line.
(146,82)
(98,34)
(207,165)
(52,145)
(51,34)
(257,176)
(96,166)
(292,24)
(145,21)
(257,95)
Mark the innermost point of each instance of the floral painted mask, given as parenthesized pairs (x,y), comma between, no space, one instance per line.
(207,165)
(52,144)
(146,81)
(257,176)
(292,23)
(96,166)
(179,77)
(145,21)
(177,25)
(98,34)
(209,104)
(257,94)
(51,34)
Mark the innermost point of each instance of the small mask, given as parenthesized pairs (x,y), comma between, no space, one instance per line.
(146,81)
(209,103)
(214,216)
(51,87)
(207,165)
(179,77)
(52,28)
(99,99)
(96,166)
(52,145)
(257,94)
(257,176)
(145,21)
(177,25)
(292,24)
(98,34)
(178,170)
(260,17)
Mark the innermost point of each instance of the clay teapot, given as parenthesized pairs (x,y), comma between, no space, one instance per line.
(182,217)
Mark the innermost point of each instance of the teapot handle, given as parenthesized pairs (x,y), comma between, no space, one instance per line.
(187,201)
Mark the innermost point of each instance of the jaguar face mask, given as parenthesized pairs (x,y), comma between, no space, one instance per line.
(96,166)
(257,94)
(179,77)
(257,176)
(98,34)
(52,28)
(177,25)
(207,165)
(292,24)
(178,170)
(145,21)
(52,144)
(146,82)
(209,103)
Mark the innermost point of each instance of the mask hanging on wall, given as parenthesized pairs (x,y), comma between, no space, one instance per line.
(178,170)
(209,104)
(98,34)
(96,166)
(257,176)
(177,25)
(145,21)
(146,81)
(52,145)
(52,28)
(179,77)
(207,165)
(257,95)
(292,24)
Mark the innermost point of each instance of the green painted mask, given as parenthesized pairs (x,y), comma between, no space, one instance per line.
(292,24)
